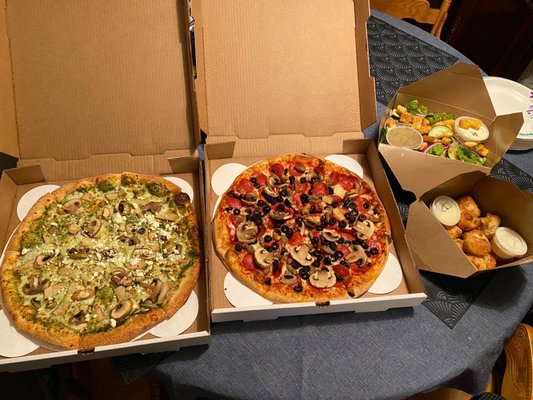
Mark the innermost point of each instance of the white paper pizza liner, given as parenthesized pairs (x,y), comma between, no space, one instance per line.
(29,198)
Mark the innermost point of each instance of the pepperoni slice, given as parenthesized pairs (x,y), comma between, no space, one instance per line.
(260,178)
(303,187)
(293,168)
(341,270)
(335,177)
(347,236)
(296,239)
(277,168)
(348,182)
(345,250)
(233,202)
(248,262)
(244,186)
(320,189)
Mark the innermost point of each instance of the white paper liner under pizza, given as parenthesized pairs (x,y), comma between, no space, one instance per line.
(15,344)
(240,295)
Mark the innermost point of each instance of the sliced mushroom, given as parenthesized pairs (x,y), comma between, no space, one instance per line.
(247,232)
(322,279)
(122,309)
(35,302)
(365,229)
(120,292)
(121,277)
(54,289)
(152,207)
(144,253)
(309,175)
(78,254)
(74,228)
(130,241)
(124,208)
(42,259)
(106,213)
(99,313)
(163,293)
(301,254)
(78,318)
(352,194)
(279,215)
(330,236)
(311,222)
(83,294)
(153,289)
(90,229)
(166,213)
(275,182)
(263,258)
(35,285)
(269,191)
(358,256)
(72,206)
(288,279)
(47,238)
(300,168)
(249,198)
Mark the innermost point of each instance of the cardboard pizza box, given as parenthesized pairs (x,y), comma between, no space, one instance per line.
(294,77)
(96,87)
(435,247)
(458,89)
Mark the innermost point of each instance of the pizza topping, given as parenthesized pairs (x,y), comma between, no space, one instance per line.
(263,258)
(90,229)
(358,256)
(35,285)
(122,310)
(330,235)
(247,232)
(301,255)
(322,279)
(365,229)
(72,206)
(288,279)
(43,258)
(83,294)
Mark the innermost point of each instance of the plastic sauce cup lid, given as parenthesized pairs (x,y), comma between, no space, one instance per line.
(507,243)
(446,210)
(405,137)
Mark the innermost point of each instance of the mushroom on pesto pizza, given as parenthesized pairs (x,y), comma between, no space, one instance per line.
(100,260)
(300,228)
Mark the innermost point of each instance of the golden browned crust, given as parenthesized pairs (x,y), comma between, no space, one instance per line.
(277,293)
(24,317)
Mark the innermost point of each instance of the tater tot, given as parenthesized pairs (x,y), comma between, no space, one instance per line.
(468,204)
(454,232)
(476,243)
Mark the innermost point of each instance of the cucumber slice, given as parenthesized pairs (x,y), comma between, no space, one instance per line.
(440,131)
(394,114)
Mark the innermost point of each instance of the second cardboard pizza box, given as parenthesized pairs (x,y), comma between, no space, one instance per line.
(435,247)
(95,88)
(289,78)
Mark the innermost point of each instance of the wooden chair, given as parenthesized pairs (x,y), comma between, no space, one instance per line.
(419,10)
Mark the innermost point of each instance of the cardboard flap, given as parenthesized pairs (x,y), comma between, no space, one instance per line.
(412,171)
(427,237)
(273,69)
(8,123)
(89,76)
(467,77)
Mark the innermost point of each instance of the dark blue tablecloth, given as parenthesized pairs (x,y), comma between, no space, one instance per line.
(388,355)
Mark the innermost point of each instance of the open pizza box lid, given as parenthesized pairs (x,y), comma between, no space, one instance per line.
(273,78)
(96,87)
(431,242)
(460,90)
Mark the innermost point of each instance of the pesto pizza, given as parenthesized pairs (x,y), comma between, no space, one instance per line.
(299,228)
(100,260)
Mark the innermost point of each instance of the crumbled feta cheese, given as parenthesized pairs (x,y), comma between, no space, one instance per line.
(24,251)
(113,323)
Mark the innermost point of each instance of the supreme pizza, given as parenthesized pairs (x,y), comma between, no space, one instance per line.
(100,260)
(299,228)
